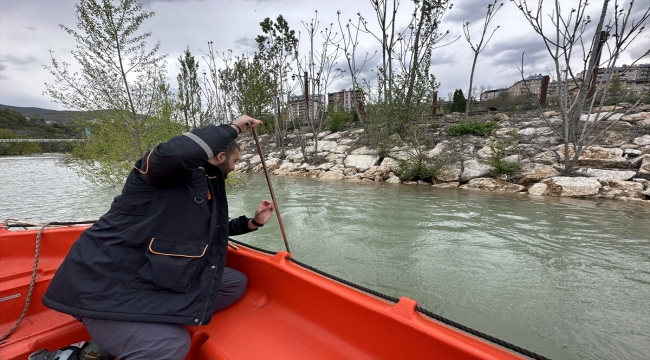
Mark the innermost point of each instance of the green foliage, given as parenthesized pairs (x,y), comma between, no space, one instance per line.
(249,86)
(25,148)
(337,117)
(235,179)
(473,128)
(418,167)
(189,93)
(459,102)
(499,149)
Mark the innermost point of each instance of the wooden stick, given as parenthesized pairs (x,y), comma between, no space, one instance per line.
(268,181)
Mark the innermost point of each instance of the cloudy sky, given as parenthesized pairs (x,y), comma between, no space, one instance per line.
(29,28)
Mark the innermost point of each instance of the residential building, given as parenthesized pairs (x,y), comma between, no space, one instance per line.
(297,106)
(532,84)
(494,94)
(346,98)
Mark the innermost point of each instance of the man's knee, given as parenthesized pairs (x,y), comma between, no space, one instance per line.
(135,340)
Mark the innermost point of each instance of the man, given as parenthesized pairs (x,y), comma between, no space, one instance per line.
(154,262)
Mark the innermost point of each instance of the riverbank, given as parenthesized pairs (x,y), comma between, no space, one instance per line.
(614,166)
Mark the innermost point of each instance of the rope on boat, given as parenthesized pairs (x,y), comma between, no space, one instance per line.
(15,223)
(420,309)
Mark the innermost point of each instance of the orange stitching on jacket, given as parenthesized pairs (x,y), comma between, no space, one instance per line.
(179,255)
(148,156)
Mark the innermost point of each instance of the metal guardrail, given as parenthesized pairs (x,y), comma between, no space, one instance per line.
(39,140)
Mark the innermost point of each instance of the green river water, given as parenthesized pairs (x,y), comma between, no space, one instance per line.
(566,278)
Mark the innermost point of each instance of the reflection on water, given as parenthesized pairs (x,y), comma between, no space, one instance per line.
(567,278)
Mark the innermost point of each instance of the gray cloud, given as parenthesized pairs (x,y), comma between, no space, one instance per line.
(2,67)
(440,58)
(246,44)
(472,11)
(18,61)
(32,28)
(507,52)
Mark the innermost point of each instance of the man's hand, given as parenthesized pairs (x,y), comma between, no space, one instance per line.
(263,213)
(245,122)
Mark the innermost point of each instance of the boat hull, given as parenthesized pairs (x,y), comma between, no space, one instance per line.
(288,312)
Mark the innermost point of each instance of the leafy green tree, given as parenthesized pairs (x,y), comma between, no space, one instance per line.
(615,88)
(278,50)
(459,102)
(250,86)
(189,92)
(121,81)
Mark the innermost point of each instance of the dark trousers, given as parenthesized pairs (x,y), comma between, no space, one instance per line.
(128,340)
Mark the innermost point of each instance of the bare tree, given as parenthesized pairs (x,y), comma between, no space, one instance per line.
(580,90)
(492,9)
(321,70)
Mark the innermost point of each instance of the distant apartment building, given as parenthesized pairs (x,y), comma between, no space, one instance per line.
(494,94)
(532,84)
(297,106)
(634,79)
(346,98)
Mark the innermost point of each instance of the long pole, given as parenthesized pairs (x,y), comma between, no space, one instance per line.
(268,181)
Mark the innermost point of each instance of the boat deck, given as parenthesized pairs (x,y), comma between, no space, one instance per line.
(288,312)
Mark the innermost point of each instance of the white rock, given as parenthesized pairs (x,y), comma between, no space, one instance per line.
(642,140)
(490,184)
(440,147)
(621,189)
(453,184)
(449,173)
(546,157)
(598,157)
(484,152)
(332,175)
(533,172)
(393,180)
(341,149)
(323,134)
(473,169)
(323,145)
(357,132)
(325,166)
(645,166)
(363,151)
(501,117)
(273,163)
(538,189)
(390,163)
(361,162)
(573,186)
(606,174)
(506,131)
(334,136)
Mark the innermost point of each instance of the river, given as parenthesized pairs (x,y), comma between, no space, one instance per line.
(566,278)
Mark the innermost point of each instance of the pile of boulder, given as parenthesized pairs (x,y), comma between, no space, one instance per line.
(616,165)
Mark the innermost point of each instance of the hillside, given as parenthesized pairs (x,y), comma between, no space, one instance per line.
(62,117)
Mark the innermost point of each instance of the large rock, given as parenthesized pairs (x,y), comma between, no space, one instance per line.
(501,117)
(332,175)
(323,145)
(363,151)
(447,185)
(618,133)
(272,164)
(377,173)
(606,174)
(532,173)
(546,158)
(621,189)
(449,173)
(474,169)
(548,114)
(286,168)
(361,162)
(341,149)
(637,117)
(538,189)
(335,158)
(390,163)
(503,132)
(440,147)
(484,152)
(492,185)
(597,157)
(573,186)
(393,179)
(334,136)
(645,166)
(642,140)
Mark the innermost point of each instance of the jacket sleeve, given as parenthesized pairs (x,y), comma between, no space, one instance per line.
(238,226)
(173,161)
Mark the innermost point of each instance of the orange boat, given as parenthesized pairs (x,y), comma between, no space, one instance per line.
(288,312)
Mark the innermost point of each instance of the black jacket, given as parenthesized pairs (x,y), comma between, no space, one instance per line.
(158,254)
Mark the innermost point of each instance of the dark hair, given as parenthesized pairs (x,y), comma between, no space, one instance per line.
(231,147)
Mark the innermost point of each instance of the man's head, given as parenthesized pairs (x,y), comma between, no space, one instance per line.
(227,159)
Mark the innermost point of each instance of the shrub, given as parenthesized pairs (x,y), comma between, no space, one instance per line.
(337,119)
(473,128)
(418,167)
(499,150)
